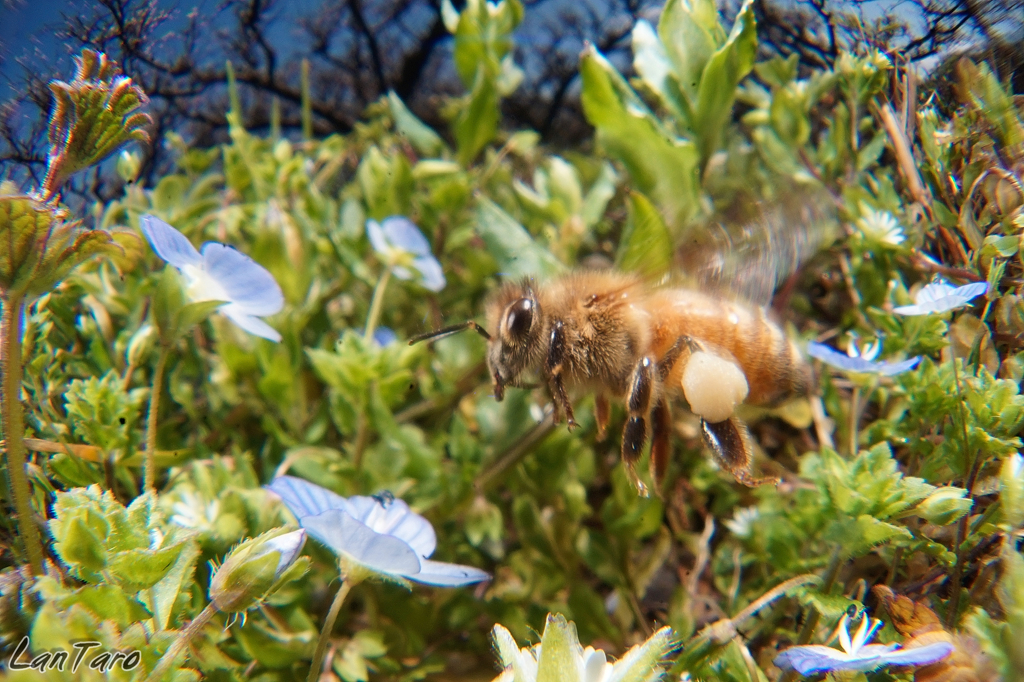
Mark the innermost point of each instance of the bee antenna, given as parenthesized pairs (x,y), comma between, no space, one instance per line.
(448,331)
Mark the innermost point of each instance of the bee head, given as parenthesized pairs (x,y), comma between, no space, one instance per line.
(516,315)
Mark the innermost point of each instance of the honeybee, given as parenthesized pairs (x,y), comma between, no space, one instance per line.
(615,335)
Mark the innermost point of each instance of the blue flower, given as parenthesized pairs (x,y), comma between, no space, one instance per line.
(220,273)
(859,361)
(382,336)
(940,297)
(401,245)
(378,533)
(856,655)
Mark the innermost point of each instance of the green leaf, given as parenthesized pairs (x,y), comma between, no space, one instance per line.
(663,167)
(80,545)
(193,313)
(518,255)
(162,596)
(652,62)
(690,33)
(143,568)
(106,601)
(101,412)
(599,194)
(646,245)
(477,123)
(386,183)
(1004,642)
(421,136)
(273,648)
(717,91)
(168,300)
(558,650)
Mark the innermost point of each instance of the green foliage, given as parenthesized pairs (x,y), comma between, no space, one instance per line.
(101,412)
(93,116)
(1003,640)
(909,480)
(483,59)
(100,540)
(39,248)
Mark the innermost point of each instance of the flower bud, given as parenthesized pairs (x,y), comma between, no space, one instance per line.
(140,345)
(1011,491)
(944,506)
(128,165)
(255,568)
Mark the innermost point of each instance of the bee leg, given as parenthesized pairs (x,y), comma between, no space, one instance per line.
(729,440)
(661,433)
(602,414)
(554,367)
(668,361)
(634,435)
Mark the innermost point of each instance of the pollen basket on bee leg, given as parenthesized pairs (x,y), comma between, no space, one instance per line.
(713,386)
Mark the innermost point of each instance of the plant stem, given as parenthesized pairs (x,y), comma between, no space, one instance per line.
(497,466)
(972,476)
(149,475)
(325,633)
(14,426)
(854,419)
(376,304)
(193,628)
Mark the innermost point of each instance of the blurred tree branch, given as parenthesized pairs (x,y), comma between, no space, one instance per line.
(360,49)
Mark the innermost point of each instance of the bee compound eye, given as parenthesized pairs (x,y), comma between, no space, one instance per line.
(519,318)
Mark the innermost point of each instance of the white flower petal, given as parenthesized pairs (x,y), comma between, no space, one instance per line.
(940,298)
(922,655)
(448,575)
(936,291)
(170,244)
(888,369)
(595,665)
(377,239)
(288,545)
(306,499)
(857,364)
(402,234)
(810,658)
(247,283)
(383,535)
(253,325)
(344,535)
(395,518)
(508,650)
(431,272)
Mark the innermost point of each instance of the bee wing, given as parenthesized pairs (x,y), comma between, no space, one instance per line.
(747,256)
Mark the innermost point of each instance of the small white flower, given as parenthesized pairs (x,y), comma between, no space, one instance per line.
(856,654)
(191,512)
(742,522)
(378,533)
(857,360)
(940,297)
(880,226)
(401,245)
(567,661)
(220,273)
